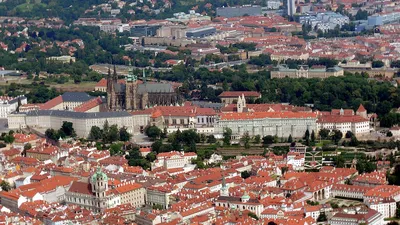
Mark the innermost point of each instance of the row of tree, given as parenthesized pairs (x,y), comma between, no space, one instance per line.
(348,91)
(66,130)
(109,134)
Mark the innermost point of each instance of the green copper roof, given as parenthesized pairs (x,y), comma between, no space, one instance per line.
(99,175)
(131,75)
(245,196)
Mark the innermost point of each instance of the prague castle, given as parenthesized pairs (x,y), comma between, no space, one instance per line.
(134,95)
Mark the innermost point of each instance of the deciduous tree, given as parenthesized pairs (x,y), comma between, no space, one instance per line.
(95,133)
(227,135)
(153,132)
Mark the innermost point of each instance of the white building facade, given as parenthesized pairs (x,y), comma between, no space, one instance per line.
(9,104)
(386,208)
(82,122)
(355,124)
(171,160)
(281,124)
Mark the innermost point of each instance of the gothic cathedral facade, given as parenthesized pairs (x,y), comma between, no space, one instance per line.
(130,94)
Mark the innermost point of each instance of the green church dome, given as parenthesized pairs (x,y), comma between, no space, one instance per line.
(245,196)
(99,175)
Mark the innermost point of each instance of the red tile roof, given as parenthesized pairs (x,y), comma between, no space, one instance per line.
(44,149)
(128,187)
(10,195)
(341,119)
(361,109)
(89,105)
(25,160)
(103,82)
(11,152)
(181,111)
(346,112)
(52,103)
(383,191)
(144,150)
(22,138)
(81,188)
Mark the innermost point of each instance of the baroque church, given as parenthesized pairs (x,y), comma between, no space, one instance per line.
(135,95)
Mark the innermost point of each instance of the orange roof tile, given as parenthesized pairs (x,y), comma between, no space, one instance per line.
(52,103)
(341,119)
(361,108)
(128,187)
(89,105)
(103,82)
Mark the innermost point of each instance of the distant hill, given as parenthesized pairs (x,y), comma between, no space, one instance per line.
(66,10)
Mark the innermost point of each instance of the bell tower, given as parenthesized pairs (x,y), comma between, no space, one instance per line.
(224,189)
(99,183)
(241,103)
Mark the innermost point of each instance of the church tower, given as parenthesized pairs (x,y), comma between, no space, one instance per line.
(361,111)
(131,90)
(145,95)
(99,183)
(110,91)
(241,103)
(224,189)
(117,101)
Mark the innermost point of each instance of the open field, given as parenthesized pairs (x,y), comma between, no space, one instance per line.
(68,86)
(71,86)
(14,79)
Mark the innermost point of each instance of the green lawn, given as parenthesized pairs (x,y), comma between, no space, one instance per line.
(70,83)
(323,142)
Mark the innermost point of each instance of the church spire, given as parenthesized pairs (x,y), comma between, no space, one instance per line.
(110,90)
(224,189)
(131,75)
(115,76)
(144,76)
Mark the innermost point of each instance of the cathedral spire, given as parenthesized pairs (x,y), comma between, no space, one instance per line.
(110,90)
(144,76)
(131,77)
(115,76)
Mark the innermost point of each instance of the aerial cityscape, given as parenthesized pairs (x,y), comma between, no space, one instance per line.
(200,112)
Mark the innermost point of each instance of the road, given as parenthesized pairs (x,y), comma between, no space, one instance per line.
(122,70)
(225,64)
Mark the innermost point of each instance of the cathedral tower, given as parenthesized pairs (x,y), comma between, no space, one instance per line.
(131,95)
(110,91)
(117,101)
(145,95)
